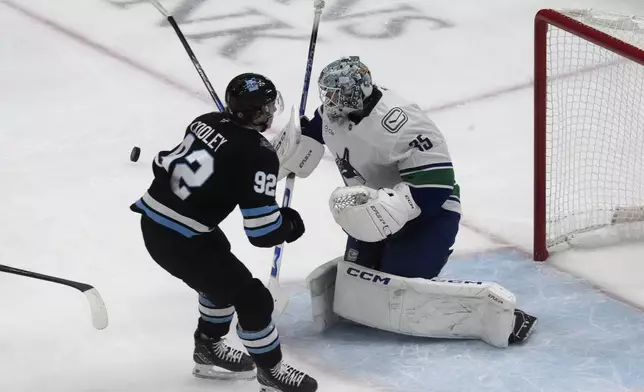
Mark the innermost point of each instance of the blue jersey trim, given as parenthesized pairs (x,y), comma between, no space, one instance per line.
(162,220)
(258,211)
(258,232)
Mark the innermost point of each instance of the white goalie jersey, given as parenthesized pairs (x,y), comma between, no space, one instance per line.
(396,142)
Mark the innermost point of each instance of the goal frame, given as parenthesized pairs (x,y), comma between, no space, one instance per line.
(543,19)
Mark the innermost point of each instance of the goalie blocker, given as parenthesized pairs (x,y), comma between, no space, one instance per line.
(297,153)
(433,308)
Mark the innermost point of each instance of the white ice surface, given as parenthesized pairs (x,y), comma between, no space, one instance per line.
(70,113)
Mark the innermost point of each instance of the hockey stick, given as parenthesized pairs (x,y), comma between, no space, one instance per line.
(192,55)
(96,304)
(280,298)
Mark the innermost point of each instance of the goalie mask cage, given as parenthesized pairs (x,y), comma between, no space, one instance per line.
(588,124)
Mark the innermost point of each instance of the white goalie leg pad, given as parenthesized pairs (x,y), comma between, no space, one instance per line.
(321,284)
(420,307)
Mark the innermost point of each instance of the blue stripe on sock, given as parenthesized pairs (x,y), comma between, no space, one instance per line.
(264,230)
(263,350)
(244,335)
(251,212)
(160,219)
(217,320)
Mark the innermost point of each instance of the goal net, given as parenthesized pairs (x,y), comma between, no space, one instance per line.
(589,126)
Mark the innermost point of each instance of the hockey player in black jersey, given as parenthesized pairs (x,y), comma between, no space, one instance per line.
(223,162)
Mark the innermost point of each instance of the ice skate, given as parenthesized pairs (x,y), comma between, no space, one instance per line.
(523,326)
(285,378)
(214,359)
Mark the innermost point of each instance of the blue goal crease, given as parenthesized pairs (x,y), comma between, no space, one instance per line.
(584,341)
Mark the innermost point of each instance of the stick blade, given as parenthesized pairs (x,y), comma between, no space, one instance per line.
(97,307)
(280,298)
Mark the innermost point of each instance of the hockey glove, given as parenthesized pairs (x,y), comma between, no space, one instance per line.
(371,215)
(292,217)
(298,153)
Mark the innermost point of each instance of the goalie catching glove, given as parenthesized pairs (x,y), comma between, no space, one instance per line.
(371,215)
(297,153)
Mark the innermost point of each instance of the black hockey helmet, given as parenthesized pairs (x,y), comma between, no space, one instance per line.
(253,100)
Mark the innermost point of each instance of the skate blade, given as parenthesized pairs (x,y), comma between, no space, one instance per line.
(532,328)
(210,372)
(264,388)
(528,333)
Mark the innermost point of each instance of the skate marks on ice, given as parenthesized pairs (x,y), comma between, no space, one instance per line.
(584,340)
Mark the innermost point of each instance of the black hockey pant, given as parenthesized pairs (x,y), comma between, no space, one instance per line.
(224,284)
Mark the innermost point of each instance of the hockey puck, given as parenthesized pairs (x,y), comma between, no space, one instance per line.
(135,153)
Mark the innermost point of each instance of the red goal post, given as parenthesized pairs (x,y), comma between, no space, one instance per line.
(588,124)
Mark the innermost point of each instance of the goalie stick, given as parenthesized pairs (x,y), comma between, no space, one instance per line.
(96,304)
(280,298)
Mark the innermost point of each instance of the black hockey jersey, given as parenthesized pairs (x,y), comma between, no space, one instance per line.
(219,165)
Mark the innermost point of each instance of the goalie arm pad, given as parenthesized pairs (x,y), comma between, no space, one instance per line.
(371,215)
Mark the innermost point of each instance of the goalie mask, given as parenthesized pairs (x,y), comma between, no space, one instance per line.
(344,85)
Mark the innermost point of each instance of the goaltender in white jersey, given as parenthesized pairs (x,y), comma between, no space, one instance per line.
(400,207)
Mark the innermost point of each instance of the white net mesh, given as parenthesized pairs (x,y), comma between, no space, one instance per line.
(595,128)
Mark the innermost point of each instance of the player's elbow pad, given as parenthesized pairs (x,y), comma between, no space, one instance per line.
(304,160)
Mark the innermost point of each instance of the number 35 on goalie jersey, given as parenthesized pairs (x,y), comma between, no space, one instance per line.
(219,165)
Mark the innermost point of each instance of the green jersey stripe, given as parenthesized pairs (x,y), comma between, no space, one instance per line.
(443,177)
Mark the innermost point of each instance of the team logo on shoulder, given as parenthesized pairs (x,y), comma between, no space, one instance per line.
(394,120)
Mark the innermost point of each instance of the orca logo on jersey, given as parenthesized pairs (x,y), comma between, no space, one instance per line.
(394,120)
(368,276)
(347,170)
